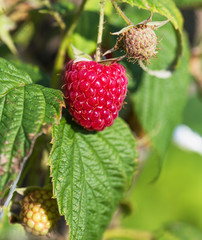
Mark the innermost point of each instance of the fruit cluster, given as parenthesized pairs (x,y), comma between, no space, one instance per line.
(39,213)
(94,92)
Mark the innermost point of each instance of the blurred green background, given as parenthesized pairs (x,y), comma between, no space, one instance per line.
(176,194)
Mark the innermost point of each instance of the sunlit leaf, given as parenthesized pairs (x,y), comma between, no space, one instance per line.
(90,173)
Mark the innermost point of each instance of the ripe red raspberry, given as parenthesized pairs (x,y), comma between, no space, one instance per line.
(95,92)
(39,213)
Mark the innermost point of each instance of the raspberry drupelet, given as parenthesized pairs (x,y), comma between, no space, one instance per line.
(94,92)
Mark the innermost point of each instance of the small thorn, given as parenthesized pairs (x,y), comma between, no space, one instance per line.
(63,86)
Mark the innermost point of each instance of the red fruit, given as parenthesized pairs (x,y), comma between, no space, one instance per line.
(94,92)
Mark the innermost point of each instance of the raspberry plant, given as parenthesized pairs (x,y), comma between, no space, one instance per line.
(76,119)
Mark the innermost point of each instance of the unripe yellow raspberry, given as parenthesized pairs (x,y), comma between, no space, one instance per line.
(39,212)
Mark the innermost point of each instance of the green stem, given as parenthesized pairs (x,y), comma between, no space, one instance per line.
(125,18)
(59,61)
(127,233)
(100,30)
(55,14)
(59,20)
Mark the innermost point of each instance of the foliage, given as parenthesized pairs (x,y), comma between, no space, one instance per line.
(87,166)
(26,110)
(11,231)
(92,174)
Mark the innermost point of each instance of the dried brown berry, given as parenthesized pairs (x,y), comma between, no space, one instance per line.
(140,42)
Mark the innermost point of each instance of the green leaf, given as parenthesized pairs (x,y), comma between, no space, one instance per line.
(188,3)
(63,7)
(26,110)
(168,9)
(193,113)
(159,103)
(84,37)
(10,231)
(6,24)
(36,74)
(79,55)
(90,173)
(85,34)
(24,34)
(94,6)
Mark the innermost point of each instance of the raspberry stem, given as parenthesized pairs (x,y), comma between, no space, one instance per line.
(100,30)
(59,61)
(121,13)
